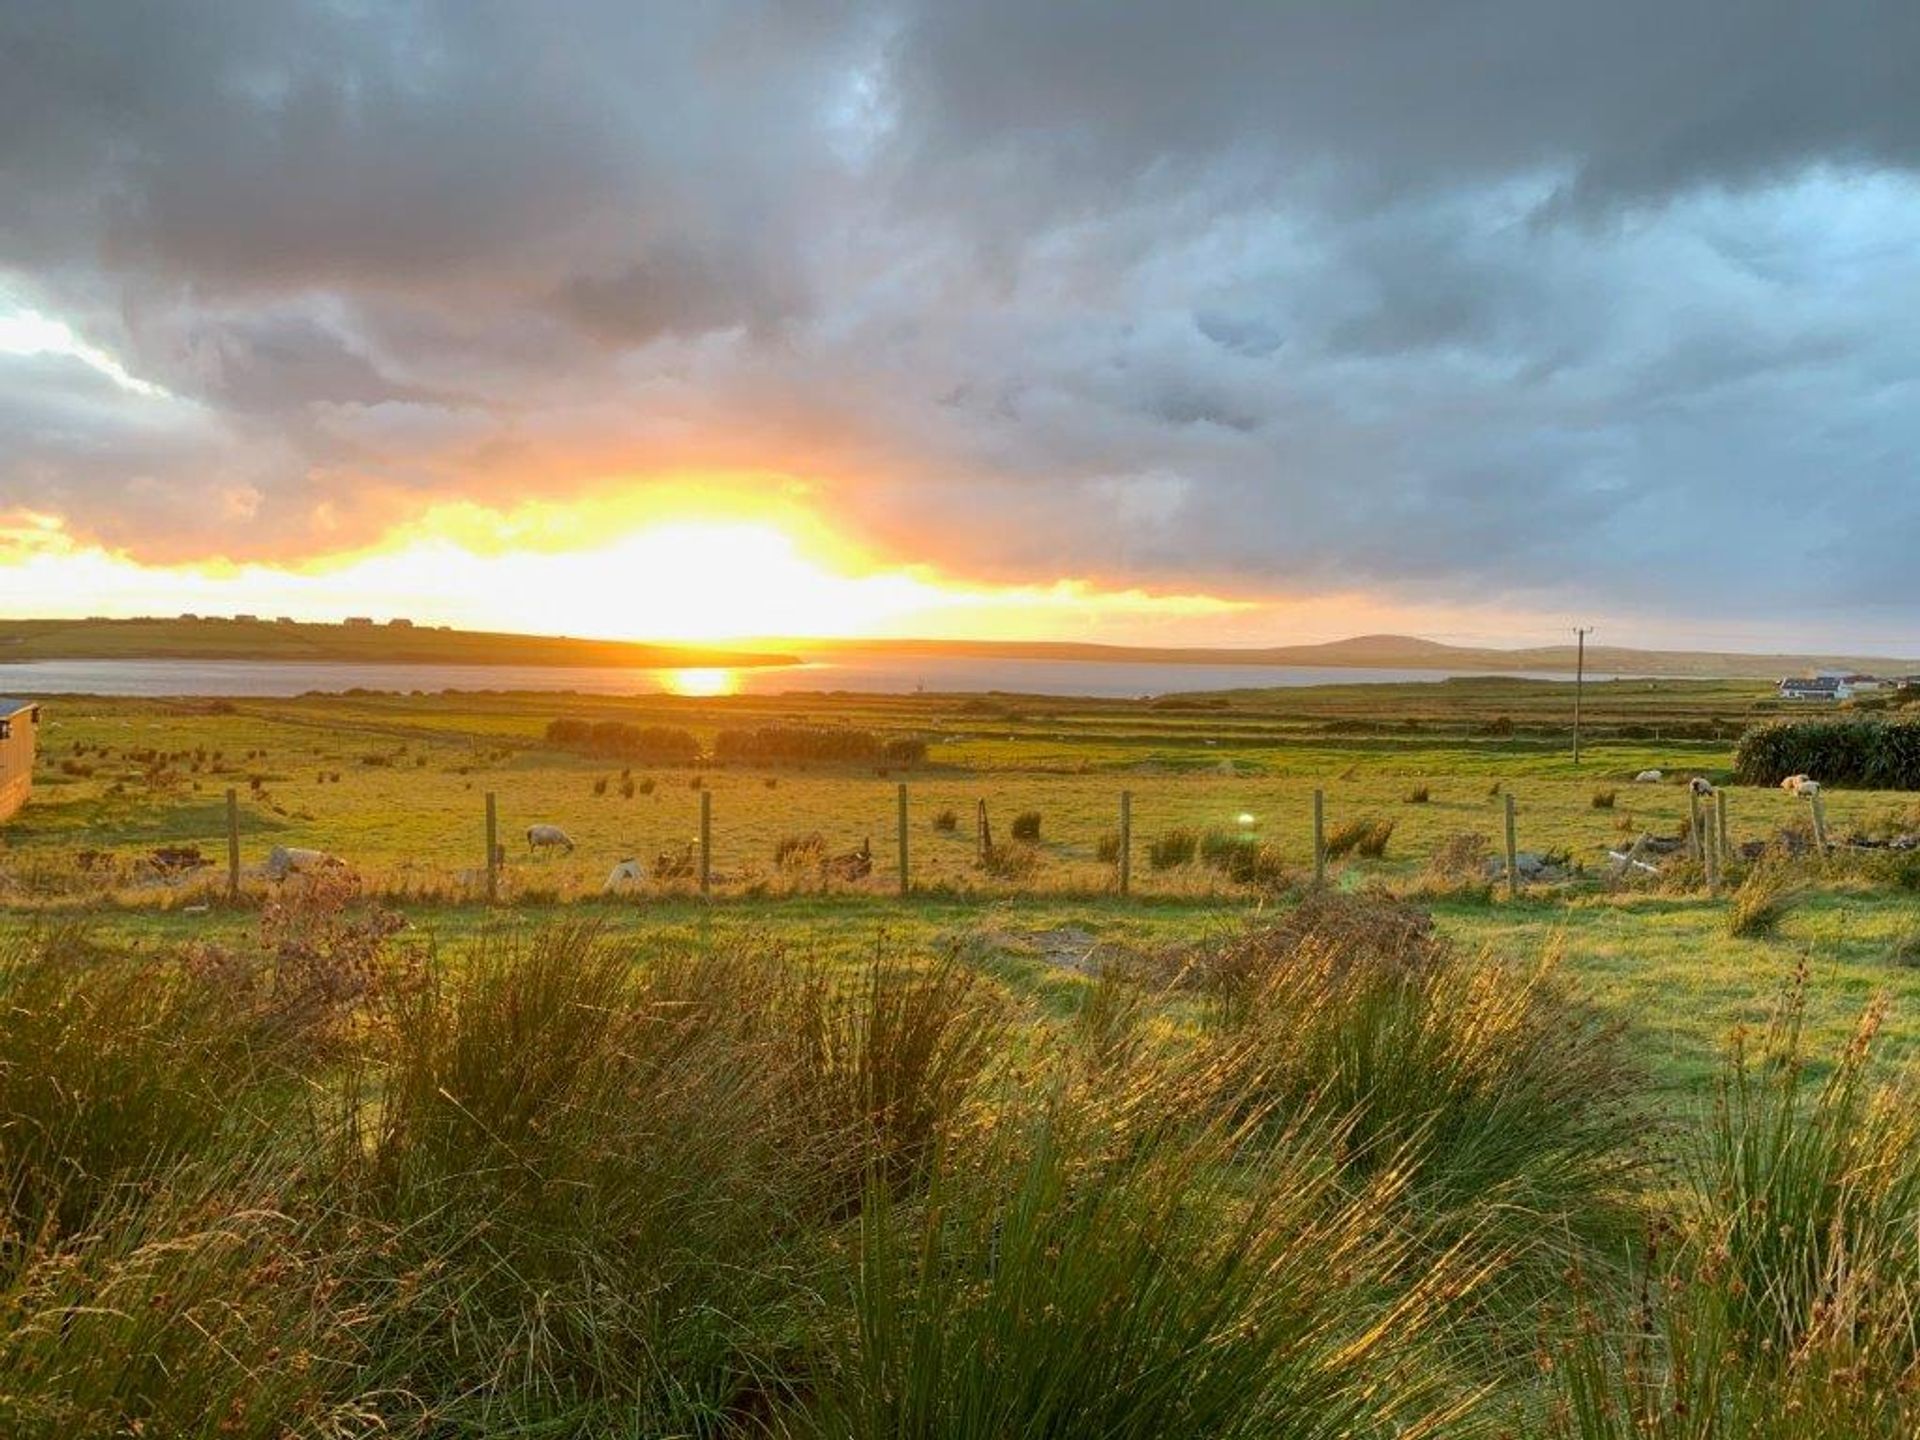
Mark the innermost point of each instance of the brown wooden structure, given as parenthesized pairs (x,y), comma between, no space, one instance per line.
(19,729)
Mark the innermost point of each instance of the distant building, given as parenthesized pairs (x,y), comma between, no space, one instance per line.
(247,619)
(284,620)
(358,622)
(1817,687)
(188,615)
(400,622)
(19,729)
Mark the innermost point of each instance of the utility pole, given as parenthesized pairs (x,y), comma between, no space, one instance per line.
(1580,634)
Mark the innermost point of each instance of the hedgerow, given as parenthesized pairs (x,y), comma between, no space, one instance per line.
(1875,754)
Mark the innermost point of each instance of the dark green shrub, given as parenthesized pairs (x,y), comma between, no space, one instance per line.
(618,740)
(1874,754)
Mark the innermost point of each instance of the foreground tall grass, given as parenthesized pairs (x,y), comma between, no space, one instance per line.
(1783,1302)
(1328,1178)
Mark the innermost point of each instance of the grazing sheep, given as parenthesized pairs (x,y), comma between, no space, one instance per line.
(284,860)
(1649,777)
(1700,785)
(627,872)
(540,837)
(1808,789)
(1793,783)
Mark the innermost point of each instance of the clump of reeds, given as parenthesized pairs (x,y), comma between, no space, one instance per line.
(800,852)
(1011,860)
(1460,867)
(1366,836)
(1785,1299)
(1765,896)
(1242,857)
(1498,1098)
(1026,826)
(1604,799)
(1173,848)
(1419,795)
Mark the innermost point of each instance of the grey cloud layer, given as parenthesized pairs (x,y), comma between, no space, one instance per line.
(1574,300)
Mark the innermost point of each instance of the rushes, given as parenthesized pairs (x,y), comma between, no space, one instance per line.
(1762,901)
(1784,1300)
(1325,1179)
(1367,837)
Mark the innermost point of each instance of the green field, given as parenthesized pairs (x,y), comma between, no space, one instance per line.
(1012,1153)
(395,785)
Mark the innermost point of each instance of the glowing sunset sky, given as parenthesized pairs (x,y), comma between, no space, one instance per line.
(1229,323)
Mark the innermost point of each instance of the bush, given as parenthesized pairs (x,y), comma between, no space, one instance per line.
(1874,754)
(1026,826)
(1603,799)
(618,740)
(789,744)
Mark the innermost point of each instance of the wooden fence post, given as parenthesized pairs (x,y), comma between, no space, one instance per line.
(1695,846)
(1720,826)
(233,844)
(706,842)
(493,850)
(1126,840)
(1319,837)
(1513,851)
(1710,851)
(983,835)
(905,881)
(1819,822)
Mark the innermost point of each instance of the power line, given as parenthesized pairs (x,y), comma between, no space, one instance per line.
(1580,633)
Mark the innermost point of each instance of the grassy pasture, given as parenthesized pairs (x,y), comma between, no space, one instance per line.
(1013,1155)
(412,771)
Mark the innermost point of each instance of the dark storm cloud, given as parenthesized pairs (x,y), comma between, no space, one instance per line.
(1568,300)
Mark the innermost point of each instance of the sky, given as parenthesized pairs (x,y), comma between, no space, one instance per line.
(1219,322)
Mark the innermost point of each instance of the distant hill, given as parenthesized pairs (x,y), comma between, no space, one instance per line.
(1393,652)
(209,639)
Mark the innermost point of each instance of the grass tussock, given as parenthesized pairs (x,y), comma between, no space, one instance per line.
(1366,837)
(1762,901)
(1500,1101)
(1782,1299)
(1329,1176)
(1604,799)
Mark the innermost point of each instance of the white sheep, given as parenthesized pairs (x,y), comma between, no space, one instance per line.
(285,860)
(1700,785)
(627,872)
(1793,783)
(1649,777)
(541,837)
(1808,789)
